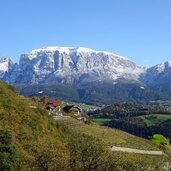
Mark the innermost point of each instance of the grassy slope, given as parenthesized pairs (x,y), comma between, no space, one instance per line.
(27,126)
(109,135)
(119,138)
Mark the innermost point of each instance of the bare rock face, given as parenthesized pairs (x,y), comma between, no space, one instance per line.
(6,65)
(159,77)
(69,65)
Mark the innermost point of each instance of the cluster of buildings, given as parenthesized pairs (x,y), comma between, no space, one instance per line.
(54,108)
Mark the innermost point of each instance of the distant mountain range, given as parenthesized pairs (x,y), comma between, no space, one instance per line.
(84,74)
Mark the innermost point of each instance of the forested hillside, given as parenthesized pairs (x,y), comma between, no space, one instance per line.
(34,140)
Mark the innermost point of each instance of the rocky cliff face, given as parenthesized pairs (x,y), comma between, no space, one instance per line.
(70,65)
(159,77)
(6,65)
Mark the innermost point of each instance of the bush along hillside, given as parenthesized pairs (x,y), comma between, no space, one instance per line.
(159,139)
(31,140)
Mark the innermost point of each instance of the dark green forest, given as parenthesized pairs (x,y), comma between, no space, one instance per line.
(95,93)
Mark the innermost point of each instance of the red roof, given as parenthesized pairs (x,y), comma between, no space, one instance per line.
(54,103)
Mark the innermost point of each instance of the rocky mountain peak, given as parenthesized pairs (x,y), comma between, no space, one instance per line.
(5,65)
(70,65)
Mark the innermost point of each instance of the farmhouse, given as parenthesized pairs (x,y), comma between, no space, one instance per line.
(76,110)
(53,105)
(72,109)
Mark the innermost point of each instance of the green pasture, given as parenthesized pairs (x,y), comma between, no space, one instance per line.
(158,119)
(101,121)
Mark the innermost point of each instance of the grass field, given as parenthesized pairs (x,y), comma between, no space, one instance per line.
(101,121)
(109,135)
(149,162)
(168,147)
(118,138)
(159,118)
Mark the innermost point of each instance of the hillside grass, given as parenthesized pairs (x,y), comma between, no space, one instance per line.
(33,133)
(156,121)
(109,135)
(149,162)
(122,139)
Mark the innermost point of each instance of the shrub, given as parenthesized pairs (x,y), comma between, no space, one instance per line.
(159,139)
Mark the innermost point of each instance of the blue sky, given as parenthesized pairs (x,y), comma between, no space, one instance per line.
(138,29)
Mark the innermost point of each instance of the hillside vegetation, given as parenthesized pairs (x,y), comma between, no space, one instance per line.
(140,120)
(32,140)
(115,137)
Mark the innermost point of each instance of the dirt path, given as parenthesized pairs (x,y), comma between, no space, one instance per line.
(131,150)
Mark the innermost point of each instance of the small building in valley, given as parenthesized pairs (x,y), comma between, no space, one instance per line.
(73,109)
(53,105)
(76,110)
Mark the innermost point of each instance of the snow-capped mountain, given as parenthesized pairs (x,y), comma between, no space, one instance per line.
(6,65)
(87,75)
(159,76)
(71,65)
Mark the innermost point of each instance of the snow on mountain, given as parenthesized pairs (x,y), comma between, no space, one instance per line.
(86,72)
(5,65)
(69,50)
(158,75)
(70,65)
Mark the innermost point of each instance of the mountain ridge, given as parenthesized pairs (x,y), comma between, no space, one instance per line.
(89,73)
(71,65)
